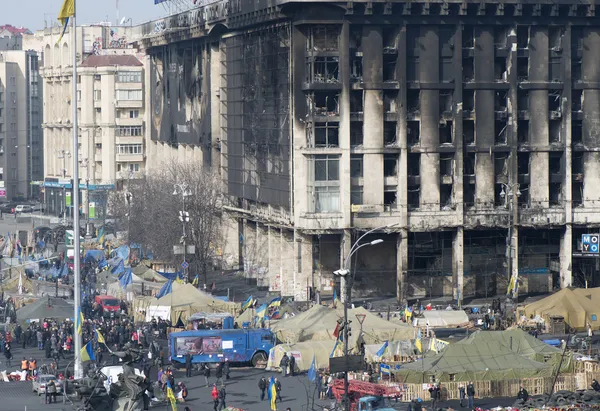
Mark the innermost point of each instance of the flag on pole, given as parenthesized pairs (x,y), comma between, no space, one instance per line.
(87,353)
(338,349)
(100,338)
(261,311)
(248,303)
(171,396)
(419,342)
(312,371)
(66,12)
(275,302)
(336,332)
(382,350)
(195,281)
(79,322)
(273,394)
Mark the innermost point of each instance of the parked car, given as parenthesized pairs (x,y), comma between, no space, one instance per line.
(23,208)
(39,384)
(7,207)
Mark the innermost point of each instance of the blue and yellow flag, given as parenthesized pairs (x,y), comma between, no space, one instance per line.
(248,303)
(261,311)
(419,342)
(171,396)
(338,349)
(381,351)
(66,12)
(273,394)
(87,353)
(79,322)
(195,281)
(101,236)
(100,338)
(275,302)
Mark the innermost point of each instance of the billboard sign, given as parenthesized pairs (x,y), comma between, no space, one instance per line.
(589,243)
(2,193)
(198,345)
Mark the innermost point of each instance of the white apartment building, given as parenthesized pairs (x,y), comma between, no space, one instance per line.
(110,98)
(20,125)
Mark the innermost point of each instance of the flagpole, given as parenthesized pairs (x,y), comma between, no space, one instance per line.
(77,248)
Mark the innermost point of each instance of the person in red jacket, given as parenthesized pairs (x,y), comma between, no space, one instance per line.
(215,396)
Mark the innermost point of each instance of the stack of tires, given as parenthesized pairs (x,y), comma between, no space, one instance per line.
(561,399)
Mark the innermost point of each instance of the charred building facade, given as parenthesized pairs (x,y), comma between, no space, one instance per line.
(469,129)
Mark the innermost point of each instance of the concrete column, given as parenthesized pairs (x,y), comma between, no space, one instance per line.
(345,246)
(231,241)
(566,127)
(538,107)
(288,260)
(458,185)
(591,107)
(485,133)
(372,44)
(458,265)
(262,256)
(401,131)
(402,266)
(303,267)
(301,174)
(566,257)
(275,267)
(249,247)
(344,136)
(514,255)
(430,119)
(214,85)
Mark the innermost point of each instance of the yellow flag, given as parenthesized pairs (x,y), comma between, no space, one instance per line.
(100,337)
(67,10)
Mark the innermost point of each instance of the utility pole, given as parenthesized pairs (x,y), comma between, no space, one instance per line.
(510,192)
(63,155)
(184,217)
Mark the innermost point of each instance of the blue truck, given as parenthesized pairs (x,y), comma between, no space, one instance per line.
(214,346)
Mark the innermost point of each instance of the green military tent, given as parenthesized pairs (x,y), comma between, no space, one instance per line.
(473,359)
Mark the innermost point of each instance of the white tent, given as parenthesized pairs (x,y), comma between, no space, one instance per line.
(304,353)
(442,318)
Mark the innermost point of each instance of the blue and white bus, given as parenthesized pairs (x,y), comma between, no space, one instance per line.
(214,346)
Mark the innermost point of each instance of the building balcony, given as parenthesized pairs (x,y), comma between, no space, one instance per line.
(130,140)
(129,104)
(130,121)
(129,158)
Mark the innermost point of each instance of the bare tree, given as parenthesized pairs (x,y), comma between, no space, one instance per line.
(150,208)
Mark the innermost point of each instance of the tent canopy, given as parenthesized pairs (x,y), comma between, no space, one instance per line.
(394,348)
(304,353)
(578,306)
(473,359)
(46,307)
(517,341)
(148,274)
(319,322)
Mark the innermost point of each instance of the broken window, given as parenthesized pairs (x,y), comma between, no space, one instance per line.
(389,67)
(446,196)
(500,167)
(412,69)
(446,165)
(390,195)
(577,164)
(522,99)
(576,39)
(499,199)
(356,166)
(389,133)
(445,132)
(414,132)
(576,73)
(576,100)
(414,164)
(468,36)
(523,131)
(555,162)
(555,69)
(468,193)
(500,36)
(522,37)
(390,39)
(522,68)
(356,133)
(500,69)
(469,164)
(577,131)
(327,134)
(554,127)
(356,68)
(323,37)
(501,100)
(555,36)
(356,101)
(469,100)
(413,101)
(356,195)
(501,131)
(356,35)
(469,132)
(523,163)
(390,165)
(577,194)
(445,103)
(468,69)
(323,69)
(390,101)
(446,69)
(554,101)
(325,104)
(555,191)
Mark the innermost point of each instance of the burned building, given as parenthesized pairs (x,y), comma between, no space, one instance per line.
(467,129)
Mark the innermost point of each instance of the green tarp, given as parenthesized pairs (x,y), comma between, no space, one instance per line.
(473,360)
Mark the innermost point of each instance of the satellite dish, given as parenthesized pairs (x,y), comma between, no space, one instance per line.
(123,20)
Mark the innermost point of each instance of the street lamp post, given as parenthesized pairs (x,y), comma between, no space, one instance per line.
(508,194)
(184,217)
(63,155)
(343,273)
